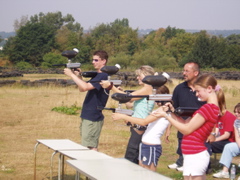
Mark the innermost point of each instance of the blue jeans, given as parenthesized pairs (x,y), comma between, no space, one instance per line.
(230,150)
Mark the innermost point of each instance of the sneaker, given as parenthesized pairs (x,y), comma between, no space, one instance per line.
(221,174)
(173,166)
(180,169)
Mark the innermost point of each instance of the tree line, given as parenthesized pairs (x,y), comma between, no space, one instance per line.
(41,39)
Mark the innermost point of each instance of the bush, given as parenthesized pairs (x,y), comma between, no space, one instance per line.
(23,65)
(50,59)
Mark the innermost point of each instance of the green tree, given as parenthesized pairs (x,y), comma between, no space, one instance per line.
(171,32)
(181,45)
(38,37)
(233,56)
(23,65)
(31,43)
(201,52)
(218,54)
(122,59)
(1,39)
(8,48)
(54,20)
(152,57)
(115,37)
(233,39)
(51,59)
(154,39)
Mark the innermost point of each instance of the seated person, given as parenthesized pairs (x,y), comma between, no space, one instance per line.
(231,149)
(224,133)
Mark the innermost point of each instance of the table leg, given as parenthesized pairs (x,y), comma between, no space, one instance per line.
(51,169)
(35,159)
(61,167)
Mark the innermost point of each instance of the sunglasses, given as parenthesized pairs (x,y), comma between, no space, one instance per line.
(95,60)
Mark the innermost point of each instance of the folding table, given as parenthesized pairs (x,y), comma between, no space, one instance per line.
(113,168)
(56,145)
(80,155)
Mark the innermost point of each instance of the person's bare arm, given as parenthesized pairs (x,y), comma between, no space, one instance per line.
(82,85)
(134,120)
(225,136)
(185,127)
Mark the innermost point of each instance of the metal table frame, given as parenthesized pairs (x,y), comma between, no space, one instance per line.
(56,145)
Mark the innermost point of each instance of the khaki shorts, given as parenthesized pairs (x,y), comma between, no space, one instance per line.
(90,132)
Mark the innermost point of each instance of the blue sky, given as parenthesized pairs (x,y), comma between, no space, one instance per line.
(142,14)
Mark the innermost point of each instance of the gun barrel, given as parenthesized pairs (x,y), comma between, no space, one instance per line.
(73,65)
(155,97)
(117,110)
(160,97)
(128,112)
(115,82)
(185,111)
(91,74)
(65,65)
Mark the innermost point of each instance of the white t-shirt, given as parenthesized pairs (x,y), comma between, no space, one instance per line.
(154,131)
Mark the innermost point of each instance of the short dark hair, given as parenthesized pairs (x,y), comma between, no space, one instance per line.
(196,66)
(102,54)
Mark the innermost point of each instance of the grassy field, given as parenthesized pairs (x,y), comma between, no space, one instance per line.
(26,115)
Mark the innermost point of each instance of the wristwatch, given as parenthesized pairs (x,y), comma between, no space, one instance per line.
(214,134)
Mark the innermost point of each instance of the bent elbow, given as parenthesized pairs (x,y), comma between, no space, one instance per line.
(81,89)
(186,132)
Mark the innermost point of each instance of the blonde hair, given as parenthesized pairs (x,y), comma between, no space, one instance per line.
(206,80)
(145,70)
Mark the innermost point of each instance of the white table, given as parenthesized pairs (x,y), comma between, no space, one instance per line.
(80,155)
(117,169)
(56,145)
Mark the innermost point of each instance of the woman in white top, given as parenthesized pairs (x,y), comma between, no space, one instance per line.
(150,149)
(141,109)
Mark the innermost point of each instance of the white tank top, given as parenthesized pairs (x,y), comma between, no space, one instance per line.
(154,131)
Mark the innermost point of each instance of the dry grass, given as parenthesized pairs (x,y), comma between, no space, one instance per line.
(26,116)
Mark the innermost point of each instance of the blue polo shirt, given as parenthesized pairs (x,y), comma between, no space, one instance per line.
(184,96)
(94,98)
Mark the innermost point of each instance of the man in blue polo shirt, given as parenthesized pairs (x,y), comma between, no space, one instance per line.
(92,117)
(184,95)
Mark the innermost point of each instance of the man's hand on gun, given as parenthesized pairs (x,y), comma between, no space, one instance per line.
(70,72)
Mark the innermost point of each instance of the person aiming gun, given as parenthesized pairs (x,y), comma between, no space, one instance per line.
(92,118)
(150,146)
(141,108)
